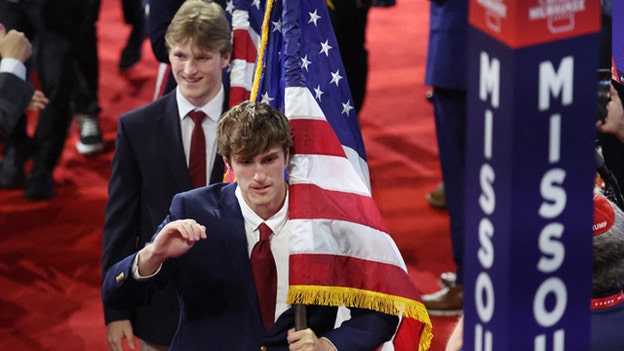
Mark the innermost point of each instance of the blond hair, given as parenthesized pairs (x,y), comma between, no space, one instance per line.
(204,23)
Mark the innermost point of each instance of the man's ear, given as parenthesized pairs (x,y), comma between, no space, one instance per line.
(226,162)
(226,59)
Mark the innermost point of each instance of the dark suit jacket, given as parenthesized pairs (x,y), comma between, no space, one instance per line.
(15,95)
(219,308)
(606,328)
(149,167)
(447,54)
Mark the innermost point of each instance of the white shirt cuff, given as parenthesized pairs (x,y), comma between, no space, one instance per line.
(135,270)
(14,66)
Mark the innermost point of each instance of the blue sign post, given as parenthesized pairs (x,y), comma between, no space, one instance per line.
(530,173)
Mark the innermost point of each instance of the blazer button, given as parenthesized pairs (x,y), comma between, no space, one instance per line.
(263,348)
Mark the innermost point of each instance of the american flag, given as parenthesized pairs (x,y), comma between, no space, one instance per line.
(246,19)
(341,253)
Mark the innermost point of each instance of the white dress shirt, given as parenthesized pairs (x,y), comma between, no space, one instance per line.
(213,110)
(279,224)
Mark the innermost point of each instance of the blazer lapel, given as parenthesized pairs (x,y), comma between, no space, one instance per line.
(171,145)
(236,242)
(171,136)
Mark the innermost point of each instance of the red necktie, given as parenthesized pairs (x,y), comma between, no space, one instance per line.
(265,276)
(197,157)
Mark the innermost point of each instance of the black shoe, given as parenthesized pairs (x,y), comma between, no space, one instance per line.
(90,134)
(131,54)
(39,185)
(12,167)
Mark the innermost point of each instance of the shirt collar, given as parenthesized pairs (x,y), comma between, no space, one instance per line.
(252,220)
(212,109)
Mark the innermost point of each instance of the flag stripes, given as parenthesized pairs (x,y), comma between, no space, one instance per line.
(335,205)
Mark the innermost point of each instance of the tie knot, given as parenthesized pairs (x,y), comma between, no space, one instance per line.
(197,116)
(265,231)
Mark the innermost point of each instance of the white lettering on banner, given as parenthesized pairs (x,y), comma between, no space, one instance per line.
(555,286)
(553,193)
(486,251)
(552,248)
(540,341)
(483,342)
(484,292)
(495,6)
(489,86)
(557,84)
(559,14)
(489,79)
(556,8)
(495,12)
(554,147)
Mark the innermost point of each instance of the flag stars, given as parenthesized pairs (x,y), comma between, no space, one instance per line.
(266,98)
(277,25)
(314,17)
(318,92)
(256,3)
(346,107)
(229,7)
(336,77)
(305,62)
(325,48)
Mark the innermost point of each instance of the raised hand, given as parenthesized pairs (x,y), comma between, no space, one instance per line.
(173,240)
(14,45)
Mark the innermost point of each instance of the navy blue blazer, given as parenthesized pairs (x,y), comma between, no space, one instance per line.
(148,168)
(606,328)
(218,304)
(15,95)
(447,54)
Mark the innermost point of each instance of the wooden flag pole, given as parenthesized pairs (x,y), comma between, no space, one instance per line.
(301,319)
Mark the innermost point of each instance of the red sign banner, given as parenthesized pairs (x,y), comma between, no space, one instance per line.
(520,23)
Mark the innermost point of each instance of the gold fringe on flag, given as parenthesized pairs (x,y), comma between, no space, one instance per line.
(366,299)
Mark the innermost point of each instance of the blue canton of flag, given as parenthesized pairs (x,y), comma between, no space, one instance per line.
(310,58)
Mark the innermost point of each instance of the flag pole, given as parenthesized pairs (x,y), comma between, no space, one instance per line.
(301,319)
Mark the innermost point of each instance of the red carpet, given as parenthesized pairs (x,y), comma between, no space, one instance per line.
(50,251)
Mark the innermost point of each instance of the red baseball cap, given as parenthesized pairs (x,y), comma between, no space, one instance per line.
(604,215)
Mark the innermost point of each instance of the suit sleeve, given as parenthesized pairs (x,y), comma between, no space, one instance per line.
(15,95)
(121,292)
(122,220)
(366,330)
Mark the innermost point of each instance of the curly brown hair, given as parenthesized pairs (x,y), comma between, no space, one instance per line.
(251,128)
